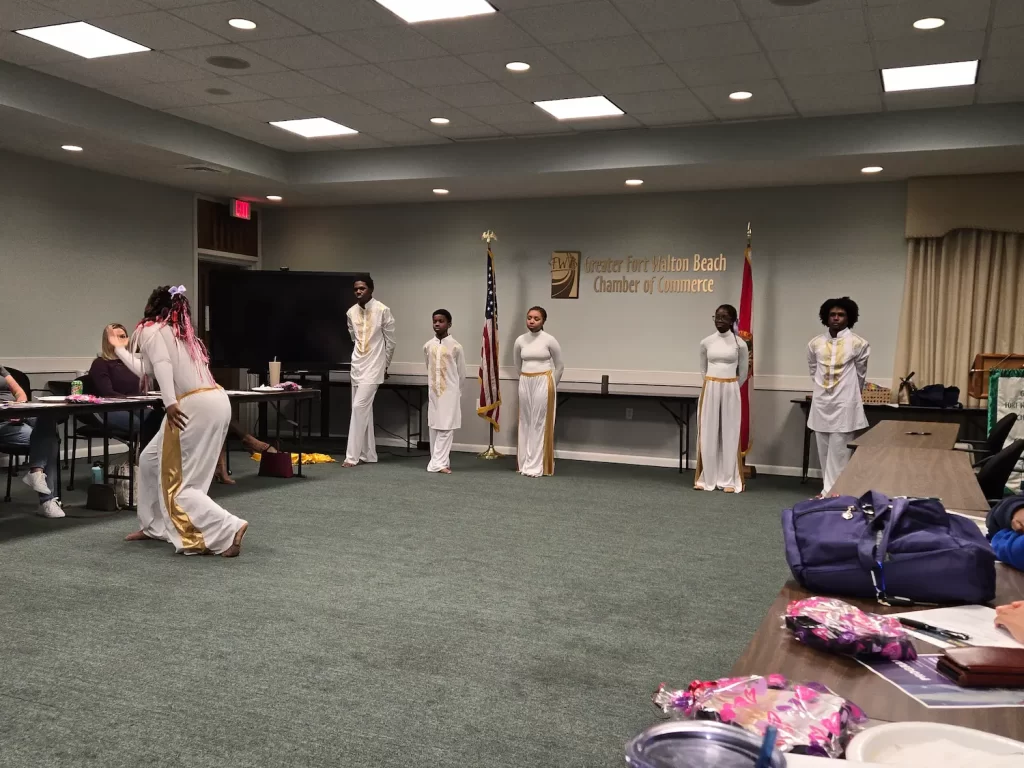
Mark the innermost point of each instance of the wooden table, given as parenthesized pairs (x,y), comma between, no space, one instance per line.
(909,434)
(946,475)
(773,649)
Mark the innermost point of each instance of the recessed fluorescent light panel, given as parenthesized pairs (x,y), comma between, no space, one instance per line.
(413,11)
(930,76)
(314,127)
(83,39)
(576,109)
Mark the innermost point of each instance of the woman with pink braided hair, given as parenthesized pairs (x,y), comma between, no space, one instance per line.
(177,466)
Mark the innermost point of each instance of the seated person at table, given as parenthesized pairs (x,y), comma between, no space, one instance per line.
(112,378)
(39,434)
(250,443)
(1006,531)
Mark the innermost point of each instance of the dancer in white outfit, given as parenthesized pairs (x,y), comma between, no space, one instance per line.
(372,328)
(723,364)
(838,361)
(446,370)
(538,360)
(176,468)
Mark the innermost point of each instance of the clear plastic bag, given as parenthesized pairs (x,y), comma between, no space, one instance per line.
(838,627)
(810,719)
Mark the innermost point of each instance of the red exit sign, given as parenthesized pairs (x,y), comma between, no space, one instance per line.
(240,209)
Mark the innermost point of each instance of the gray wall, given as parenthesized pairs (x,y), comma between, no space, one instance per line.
(809,243)
(80,249)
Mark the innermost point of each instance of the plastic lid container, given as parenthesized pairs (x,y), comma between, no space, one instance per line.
(688,744)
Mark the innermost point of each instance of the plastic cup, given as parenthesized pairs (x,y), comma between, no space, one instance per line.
(680,744)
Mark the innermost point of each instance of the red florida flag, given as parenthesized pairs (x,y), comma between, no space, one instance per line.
(746,323)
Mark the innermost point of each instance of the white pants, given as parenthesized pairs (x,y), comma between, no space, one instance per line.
(440,449)
(833,455)
(361,445)
(718,437)
(175,472)
(536,453)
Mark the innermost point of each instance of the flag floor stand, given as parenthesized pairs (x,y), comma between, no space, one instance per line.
(491,453)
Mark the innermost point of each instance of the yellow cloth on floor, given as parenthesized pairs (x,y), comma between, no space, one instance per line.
(307,458)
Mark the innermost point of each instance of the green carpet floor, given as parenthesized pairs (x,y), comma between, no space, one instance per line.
(382,616)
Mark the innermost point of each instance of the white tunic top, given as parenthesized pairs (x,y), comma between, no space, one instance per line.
(724,356)
(446,370)
(165,359)
(538,352)
(839,369)
(372,329)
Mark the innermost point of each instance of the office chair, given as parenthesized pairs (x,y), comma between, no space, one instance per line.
(982,450)
(90,427)
(996,470)
(14,452)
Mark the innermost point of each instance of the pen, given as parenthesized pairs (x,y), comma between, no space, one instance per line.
(937,631)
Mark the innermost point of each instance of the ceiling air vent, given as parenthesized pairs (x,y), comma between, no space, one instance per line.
(202,168)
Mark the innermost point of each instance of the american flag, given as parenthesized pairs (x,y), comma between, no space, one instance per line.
(489,406)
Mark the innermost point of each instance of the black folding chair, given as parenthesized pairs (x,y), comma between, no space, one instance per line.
(996,470)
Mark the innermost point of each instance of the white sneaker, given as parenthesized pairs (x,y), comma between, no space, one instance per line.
(36,481)
(50,508)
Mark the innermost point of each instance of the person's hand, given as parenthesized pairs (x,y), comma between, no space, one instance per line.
(387,375)
(21,398)
(116,338)
(1011,618)
(176,417)
(1017,521)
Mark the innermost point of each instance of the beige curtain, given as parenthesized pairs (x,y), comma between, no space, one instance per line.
(964,295)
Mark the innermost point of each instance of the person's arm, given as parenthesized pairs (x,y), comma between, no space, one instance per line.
(743,364)
(1009,548)
(134,362)
(862,364)
(459,360)
(517,355)
(703,360)
(99,372)
(556,359)
(426,358)
(812,361)
(387,329)
(16,390)
(351,327)
(154,348)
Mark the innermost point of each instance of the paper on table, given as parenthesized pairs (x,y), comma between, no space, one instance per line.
(976,621)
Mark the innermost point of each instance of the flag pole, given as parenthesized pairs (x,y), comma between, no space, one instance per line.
(490,453)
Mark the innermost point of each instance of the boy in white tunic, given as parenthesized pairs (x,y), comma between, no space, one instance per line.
(446,369)
(538,359)
(838,362)
(372,328)
(723,363)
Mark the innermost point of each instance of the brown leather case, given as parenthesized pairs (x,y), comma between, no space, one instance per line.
(984,667)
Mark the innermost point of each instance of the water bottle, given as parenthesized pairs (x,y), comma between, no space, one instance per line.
(97,474)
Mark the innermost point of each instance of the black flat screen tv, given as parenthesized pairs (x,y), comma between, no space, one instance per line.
(296,317)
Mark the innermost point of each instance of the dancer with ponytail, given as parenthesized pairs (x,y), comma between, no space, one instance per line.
(176,468)
(724,364)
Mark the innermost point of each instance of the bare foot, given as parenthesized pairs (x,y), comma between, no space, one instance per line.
(137,536)
(236,547)
(349,464)
(445,471)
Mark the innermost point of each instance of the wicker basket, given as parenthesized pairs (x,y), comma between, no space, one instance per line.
(873,394)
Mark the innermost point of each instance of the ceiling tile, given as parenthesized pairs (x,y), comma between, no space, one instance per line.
(97,9)
(334,15)
(577,21)
(236,91)
(215,19)
(284,84)
(658,15)
(992,70)
(838,104)
(19,49)
(462,126)
(728,69)
(1009,90)
(410,138)
(619,123)
(361,77)
(447,70)
(155,96)
(89,76)
(892,21)
(718,40)
(606,53)
(930,99)
(387,44)
(696,114)
(535,128)
(676,100)
(769,100)
(635,79)
(502,114)
(22,14)
(786,32)
(207,115)
(258,65)
(471,133)
(823,61)
(1009,13)
(759,9)
(356,141)
(380,122)
(489,32)
(569,86)
(846,83)
(151,66)
(306,52)
(404,100)
(933,49)
(166,4)
(1007,41)
(336,106)
(473,94)
(515,5)
(492,63)
(270,110)
(159,30)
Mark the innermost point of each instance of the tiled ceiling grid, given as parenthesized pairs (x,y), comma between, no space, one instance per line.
(664,62)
